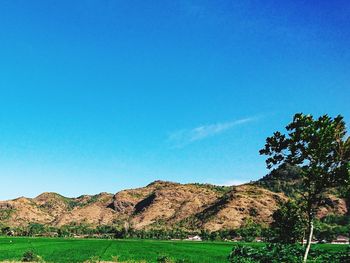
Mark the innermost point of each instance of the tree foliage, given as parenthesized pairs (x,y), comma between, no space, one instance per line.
(277,253)
(288,224)
(320,148)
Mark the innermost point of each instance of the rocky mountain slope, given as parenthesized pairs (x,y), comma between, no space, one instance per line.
(158,205)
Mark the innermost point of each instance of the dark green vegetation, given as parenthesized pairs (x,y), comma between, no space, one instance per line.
(248,232)
(288,224)
(320,149)
(79,250)
(276,253)
(288,181)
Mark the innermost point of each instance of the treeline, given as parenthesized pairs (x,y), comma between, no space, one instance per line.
(107,231)
(326,229)
(247,233)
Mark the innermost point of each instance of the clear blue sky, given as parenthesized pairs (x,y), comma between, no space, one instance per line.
(106,95)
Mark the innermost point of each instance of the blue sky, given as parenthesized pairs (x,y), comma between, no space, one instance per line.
(106,95)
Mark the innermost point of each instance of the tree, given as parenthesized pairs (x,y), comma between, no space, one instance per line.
(324,232)
(249,231)
(35,229)
(288,223)
(5,230)
(321,149)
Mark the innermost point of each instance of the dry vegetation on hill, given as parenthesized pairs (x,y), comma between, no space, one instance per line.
(158,205)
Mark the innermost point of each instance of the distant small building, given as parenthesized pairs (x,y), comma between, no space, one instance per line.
(341,240)
(80,236)
(313,241)
(258,239)
(194,238)
(237,239)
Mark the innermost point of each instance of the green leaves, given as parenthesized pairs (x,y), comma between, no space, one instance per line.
(319,147)
(289,223)
(277,253)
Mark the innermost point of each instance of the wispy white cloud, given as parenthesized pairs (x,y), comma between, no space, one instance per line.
(184,137)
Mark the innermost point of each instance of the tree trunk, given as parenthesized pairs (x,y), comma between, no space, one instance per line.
(308,242)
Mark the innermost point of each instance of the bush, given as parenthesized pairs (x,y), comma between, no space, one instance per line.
(164,259)
(30,256)
(277,253)
(345,257)
(288,224)
(243,254)
(249,231)
(167,259)
(269,253)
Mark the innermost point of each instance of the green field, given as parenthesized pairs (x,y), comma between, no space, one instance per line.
(79,250)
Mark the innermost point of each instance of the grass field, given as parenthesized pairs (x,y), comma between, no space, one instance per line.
(79,250)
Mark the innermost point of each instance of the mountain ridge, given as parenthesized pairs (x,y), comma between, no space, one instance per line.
(158,205)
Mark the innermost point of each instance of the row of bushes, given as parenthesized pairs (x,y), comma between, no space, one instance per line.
(248,233)
(324,230)
(276,253)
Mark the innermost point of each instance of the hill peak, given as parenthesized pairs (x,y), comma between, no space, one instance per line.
(162,183)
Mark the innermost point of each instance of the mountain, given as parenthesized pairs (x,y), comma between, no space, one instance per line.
(158,205)
(287,180)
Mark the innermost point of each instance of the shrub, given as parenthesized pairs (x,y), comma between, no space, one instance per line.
(243,254)
(30,256)
(164,259)
(289,223)
(249,231)
(277,253)
(345,257)
(271,253)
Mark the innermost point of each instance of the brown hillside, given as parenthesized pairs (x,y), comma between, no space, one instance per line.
(241,203)
(158,205)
